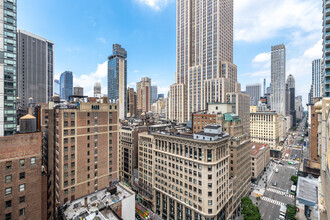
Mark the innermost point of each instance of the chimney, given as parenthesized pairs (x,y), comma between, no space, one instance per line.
(85,202)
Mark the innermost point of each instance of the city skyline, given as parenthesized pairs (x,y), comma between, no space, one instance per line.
(126,140)
(250,55)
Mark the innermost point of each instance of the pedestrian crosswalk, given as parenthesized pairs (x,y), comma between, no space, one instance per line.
(272,201)
(279,192)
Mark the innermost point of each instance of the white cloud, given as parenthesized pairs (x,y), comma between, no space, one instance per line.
(154,4)
(257,20)
(301,66)
(87,80)
(262,58)
(163,90)
(102,40)
(297,23)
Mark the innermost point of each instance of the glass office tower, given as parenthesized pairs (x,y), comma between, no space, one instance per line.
(66,85)
(117,78)
(8,67)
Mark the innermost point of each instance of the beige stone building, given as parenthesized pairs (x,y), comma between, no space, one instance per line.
(146,168)
(253,108)
(143,93)
(178,103)
(159,107)
(128,152)
(241,106)
(260,157)
(191,176)
(207,74)
(264,127)
(240,160)
(322,111)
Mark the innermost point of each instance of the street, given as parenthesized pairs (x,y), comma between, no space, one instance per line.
(274,188)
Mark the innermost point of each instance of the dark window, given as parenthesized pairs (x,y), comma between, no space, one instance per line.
(8,216)
(8,204)
(22,175)
(22,212)
(8,165)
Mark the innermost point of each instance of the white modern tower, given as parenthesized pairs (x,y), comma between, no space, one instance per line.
(278,78)
(254,90)
(317,77)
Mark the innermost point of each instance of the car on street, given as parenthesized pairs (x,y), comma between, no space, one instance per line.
(276,170)
(274,183)
(287,192)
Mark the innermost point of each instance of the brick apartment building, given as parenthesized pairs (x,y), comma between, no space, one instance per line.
(81,149)
(21,177)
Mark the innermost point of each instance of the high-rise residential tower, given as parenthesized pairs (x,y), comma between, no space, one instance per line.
(291,102)
(254,90)
(131,102)
(66,85)
(8,80)
(326,49)
(117,78)
(153,94)
(143,89)
(291,81)
(97,89)
(204,43)
(264,88)
(317,77)
(35,68)
(278,68)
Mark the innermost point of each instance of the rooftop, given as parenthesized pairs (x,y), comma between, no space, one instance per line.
(191,136)
(231,117)
(98,205)
(256,148)
(307,190)
(212,126)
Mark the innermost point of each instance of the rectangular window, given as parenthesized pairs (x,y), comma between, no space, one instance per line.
(33,160)
(22,212)
(8,191)
(8,165)
(21,187)
(22,199)
(21,163)
(8,179)
(8,204)
(22,175)
(8,216)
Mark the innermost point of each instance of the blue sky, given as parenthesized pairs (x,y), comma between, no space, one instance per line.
(83,32)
